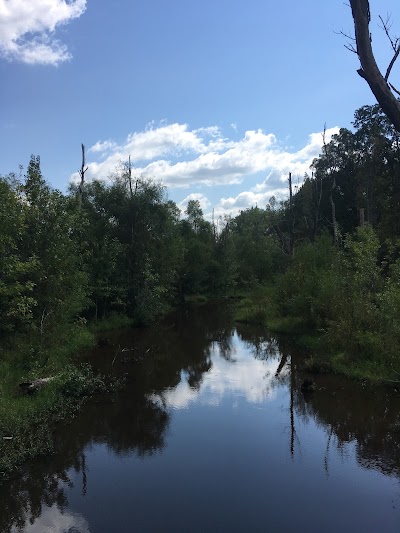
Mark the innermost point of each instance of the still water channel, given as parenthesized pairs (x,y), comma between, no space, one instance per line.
(212,433)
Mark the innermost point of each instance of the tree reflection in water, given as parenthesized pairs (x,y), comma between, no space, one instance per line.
(185,350)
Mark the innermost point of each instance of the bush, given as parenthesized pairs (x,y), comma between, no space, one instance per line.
(308,289)
(80,381)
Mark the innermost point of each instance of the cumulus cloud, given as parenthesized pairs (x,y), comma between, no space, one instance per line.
(181,157)
(204,201)
(103,146)
(232,205)
(27,29)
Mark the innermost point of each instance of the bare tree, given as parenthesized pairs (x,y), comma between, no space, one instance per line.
(379,84)
(287,242)
(82,175)
(332,172)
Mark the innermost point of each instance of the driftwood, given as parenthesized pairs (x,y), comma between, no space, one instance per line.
(30,387)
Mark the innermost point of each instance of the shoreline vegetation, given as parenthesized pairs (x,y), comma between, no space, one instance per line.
(337,305)
(322,265)
(28,414)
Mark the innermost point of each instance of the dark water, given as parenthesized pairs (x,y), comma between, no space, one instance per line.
(212,433)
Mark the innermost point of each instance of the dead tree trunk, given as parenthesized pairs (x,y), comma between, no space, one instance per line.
(333,212)
(287,242)
(82,175)
(291,217)
(282,239)
(317,193)
(130,176)
(369,70)
(362,217)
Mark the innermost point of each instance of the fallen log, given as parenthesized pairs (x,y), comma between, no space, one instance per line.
(29,387)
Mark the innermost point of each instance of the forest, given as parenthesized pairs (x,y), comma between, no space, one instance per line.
(325,261)
(322,265)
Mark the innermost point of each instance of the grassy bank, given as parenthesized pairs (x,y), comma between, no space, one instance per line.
(259,307)
(26,419)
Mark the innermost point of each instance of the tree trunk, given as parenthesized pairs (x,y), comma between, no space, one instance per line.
(291,218)
(333,213)
(369,69)
(82,175)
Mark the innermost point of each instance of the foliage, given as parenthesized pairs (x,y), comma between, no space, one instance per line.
(125,250)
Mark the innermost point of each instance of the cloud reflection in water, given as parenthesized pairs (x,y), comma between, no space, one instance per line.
(241,376)
(53,520)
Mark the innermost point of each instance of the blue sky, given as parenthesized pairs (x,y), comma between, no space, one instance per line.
(219,99)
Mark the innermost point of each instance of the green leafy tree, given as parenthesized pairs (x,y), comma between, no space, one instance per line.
(59,285)
(16,286)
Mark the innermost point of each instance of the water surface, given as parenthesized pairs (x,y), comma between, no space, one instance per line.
(212,433)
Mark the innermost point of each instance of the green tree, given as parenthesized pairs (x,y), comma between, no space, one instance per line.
(59,285)
(16,286)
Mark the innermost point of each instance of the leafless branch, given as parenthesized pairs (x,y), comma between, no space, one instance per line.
(349,46)
(396,55)
(386,25)
(394,41)
(394,89)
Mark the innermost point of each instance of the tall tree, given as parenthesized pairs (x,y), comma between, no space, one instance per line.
(16,301)
(59,285)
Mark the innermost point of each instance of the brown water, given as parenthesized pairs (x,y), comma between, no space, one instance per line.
(212,433)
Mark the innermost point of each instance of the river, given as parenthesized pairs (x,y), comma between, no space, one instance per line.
(211,432)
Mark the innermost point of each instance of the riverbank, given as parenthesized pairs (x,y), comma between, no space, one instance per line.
(26,420)
(258,307)
(26,417)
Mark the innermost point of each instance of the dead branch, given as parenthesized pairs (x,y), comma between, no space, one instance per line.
(349,46)
(394,41)
(394,89)
(389,69)
(82,175)
(386,27)
(369,69)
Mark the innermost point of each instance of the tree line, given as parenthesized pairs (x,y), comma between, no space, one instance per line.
(124,247)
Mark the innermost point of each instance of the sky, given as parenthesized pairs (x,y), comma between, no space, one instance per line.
(219,99)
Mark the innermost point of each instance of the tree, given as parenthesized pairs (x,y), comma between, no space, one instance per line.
(16,301)
(198,241)
(59,285)
(379,84)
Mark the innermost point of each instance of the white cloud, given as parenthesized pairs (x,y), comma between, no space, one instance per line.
(244,200)
(247,199)
(181,157)
(204,201)
(27,29)
(103,146)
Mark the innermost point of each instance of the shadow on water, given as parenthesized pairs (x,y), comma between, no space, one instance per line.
(180,355)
